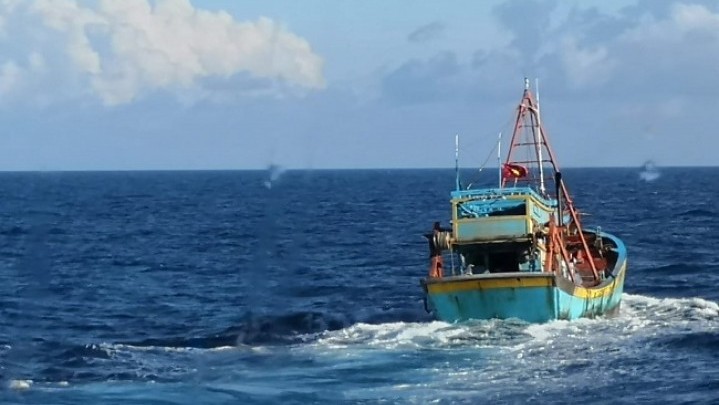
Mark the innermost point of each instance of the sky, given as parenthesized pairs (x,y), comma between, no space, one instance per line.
(224,84)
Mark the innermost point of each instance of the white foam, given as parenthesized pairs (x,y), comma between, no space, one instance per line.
(20,385)
(666,311)
(434,335)
(391,335)
(394,335)
(546,332)
(639,316)
(110,348)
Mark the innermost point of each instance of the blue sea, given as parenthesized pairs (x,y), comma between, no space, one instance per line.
(254,287)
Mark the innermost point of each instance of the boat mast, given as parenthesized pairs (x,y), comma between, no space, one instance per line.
(499,159)
(538,138)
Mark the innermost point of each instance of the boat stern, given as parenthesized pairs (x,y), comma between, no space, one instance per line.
(527,296)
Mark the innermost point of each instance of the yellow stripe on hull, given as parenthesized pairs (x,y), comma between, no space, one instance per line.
(582,292)
(449,286)
(483,284)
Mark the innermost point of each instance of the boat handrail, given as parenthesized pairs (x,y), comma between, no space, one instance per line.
(492,193)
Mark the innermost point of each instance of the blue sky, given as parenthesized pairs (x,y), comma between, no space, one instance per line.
(177,84)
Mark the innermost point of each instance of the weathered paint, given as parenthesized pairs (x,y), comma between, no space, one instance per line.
(586,304)
(492,193)
(532,304)
(486,228)
(480,282)
(533,297)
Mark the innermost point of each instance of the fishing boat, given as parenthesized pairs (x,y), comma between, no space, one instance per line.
(517,249)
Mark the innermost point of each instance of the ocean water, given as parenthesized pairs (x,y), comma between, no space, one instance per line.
(302,287)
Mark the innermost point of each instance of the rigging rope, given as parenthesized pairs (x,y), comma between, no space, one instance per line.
(496,145)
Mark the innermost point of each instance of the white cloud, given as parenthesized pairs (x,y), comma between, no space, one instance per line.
(427,32)
(10,76)
(126,48)
(584,66)
(684,19)
(36,62)
(638,52)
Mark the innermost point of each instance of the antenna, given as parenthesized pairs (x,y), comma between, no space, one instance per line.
(456,161)
(536,86)
(539,140)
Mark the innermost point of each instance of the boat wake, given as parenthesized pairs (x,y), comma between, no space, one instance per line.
(642,320)
(253,330)
(454,359)
(639,316)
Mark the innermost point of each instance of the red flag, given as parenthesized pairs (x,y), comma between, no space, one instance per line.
(513,171)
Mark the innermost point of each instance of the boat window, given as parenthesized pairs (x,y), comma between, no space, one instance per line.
(518,210)
(503,262)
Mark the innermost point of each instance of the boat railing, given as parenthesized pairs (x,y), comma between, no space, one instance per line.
(495,193)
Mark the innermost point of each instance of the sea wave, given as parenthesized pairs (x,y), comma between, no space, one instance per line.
(698,212)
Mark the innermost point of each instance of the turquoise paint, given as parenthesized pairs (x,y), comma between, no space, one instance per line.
(509,213)
(494,193)
(539,215)
(483,208)
(532,304)
(570,307)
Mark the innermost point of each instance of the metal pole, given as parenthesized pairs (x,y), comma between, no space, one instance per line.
(539,141)
(456,161)
(499,159)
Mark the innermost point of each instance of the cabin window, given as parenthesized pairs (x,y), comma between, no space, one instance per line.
(518,210)
(503,262)
(477,259)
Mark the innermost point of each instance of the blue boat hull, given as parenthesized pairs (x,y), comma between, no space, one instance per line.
(532,297)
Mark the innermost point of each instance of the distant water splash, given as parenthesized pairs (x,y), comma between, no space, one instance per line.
(274,172)
(649,171)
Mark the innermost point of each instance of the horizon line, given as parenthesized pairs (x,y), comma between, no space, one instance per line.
(284,168)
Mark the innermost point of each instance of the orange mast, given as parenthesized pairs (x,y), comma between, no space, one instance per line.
(535,142)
